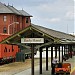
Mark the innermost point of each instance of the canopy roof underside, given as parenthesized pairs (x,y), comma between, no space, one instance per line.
(50,36)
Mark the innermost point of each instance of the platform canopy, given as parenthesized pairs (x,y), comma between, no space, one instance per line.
(34,31)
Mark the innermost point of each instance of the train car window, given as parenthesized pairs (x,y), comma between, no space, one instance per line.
(12,48)
(5,50)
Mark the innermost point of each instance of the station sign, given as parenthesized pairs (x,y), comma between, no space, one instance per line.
(32,40)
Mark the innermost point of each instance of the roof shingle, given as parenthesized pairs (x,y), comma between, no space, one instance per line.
(54,33)
(24,13)
(14,10)
(4,9)
(10,9)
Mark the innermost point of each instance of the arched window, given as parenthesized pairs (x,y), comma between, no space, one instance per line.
(5,18)
(5,50)
(4,30)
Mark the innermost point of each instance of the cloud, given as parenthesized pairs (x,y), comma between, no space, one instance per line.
(70,15)
(50,20)
(57,8)
(48,12)
(53,20)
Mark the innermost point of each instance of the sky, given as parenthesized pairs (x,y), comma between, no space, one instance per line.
(54,14)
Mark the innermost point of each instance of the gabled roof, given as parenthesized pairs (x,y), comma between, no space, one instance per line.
(14,10)
(54,33)
(18,12)
(40,31)
(24,13)
(10,9)
(4,9)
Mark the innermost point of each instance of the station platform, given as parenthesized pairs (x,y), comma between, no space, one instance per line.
(28,71)
(36,71)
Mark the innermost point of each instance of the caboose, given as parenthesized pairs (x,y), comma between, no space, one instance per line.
(7,52)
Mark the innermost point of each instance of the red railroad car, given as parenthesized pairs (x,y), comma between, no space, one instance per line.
(7,52)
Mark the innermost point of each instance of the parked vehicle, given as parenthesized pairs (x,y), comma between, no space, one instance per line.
(10,53)
(7,53)
(62,69)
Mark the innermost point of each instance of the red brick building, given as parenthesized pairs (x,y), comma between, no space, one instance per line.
(11,21)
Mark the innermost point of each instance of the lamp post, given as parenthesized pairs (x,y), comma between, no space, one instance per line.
(12,24)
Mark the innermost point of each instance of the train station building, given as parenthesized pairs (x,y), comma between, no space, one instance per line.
(11,21)
(57,41)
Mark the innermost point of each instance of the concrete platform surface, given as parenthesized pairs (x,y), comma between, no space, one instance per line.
(44,72)
(28,71)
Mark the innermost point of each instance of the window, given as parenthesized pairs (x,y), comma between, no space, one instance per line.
(4,30)
(5,17)
(5,50)
(26,19)
(12,48)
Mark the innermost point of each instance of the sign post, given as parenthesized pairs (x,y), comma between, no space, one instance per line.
(32,41)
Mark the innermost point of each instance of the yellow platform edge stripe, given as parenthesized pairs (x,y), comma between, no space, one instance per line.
(72,70)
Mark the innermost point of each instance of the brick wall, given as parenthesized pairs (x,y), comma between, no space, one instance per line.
(13,18)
